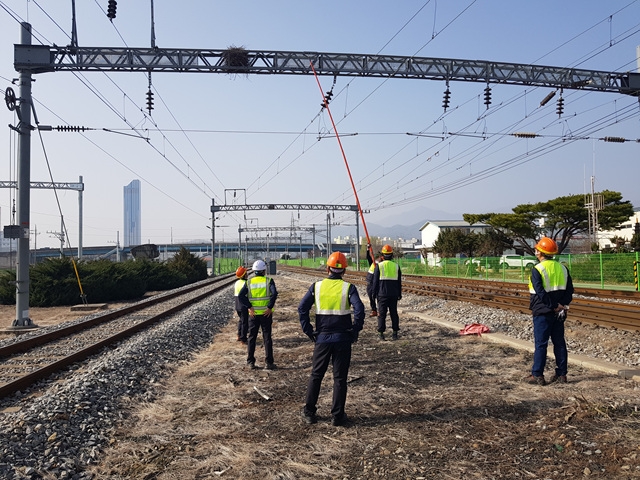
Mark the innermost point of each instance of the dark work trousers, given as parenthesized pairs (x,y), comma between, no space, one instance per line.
(243,324)
(372,300)
(339,354)
(391,304)
(547,326)
(255,323)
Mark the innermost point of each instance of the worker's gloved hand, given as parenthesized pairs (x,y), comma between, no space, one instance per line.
(313,337)
(561,312)
(354,336)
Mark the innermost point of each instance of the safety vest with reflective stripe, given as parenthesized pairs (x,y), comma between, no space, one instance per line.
(372,268)
(258,293)
(241,282)
(332,297)
(554,276)
(388,270)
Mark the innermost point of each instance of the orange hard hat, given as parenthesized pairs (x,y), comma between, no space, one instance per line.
(337,260)
(547,245)
(241,272)
(387,249)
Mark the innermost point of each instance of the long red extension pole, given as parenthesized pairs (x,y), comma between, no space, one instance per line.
(355,193)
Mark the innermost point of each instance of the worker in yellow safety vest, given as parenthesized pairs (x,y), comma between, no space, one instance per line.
(259,296)
(241,310)
(551,290)
(333,335)
(370,272)
(387,289)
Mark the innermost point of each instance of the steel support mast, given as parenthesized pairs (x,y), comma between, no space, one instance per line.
(23,319)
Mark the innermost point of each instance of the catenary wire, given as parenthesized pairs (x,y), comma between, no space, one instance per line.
(625,35)
(96,92)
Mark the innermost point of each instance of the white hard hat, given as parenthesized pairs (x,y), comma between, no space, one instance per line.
(259,266)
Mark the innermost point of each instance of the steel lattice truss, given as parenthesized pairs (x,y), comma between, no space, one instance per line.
(47,185)
(283,206)
(274,239)
(278,229)
(40,59)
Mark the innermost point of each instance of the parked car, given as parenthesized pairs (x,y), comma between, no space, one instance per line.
(517,261)
(449,261)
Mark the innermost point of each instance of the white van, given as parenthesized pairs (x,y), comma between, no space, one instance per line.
(517,261)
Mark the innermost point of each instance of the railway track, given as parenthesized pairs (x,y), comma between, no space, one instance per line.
(606,308)
(28,361)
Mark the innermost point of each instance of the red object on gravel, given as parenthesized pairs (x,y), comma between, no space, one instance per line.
(474,329)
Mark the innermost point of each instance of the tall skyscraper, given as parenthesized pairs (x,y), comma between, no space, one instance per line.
(132,230)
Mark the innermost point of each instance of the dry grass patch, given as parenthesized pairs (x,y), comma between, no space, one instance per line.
(430,405)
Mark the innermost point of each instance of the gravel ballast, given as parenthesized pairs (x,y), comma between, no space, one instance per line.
(60,433)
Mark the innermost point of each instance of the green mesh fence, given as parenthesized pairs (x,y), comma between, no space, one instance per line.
(600,270)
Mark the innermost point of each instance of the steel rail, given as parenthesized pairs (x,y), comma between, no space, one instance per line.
(29,379)
(45,338)
(611,294)
(611,313)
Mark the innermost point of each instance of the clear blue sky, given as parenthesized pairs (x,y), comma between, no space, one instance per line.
(195,151)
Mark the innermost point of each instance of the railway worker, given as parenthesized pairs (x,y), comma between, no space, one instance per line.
(372,267)
(387,288)
(241,310)
(259,296)
(333,335)
(551,290)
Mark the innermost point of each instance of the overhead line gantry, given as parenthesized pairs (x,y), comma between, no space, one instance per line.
(287,206)
(41,59)
(312,229)
(35,59)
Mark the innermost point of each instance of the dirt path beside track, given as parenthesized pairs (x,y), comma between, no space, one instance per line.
(430,405)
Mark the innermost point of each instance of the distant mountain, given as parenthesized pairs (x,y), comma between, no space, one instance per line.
(396,231)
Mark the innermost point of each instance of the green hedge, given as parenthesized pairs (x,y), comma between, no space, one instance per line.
(54,281)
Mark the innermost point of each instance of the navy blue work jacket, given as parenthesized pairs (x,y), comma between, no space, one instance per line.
(331,328)
(243,296)
(387,288)
(543,302)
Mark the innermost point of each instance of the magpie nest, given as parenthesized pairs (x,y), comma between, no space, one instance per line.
(236,59)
